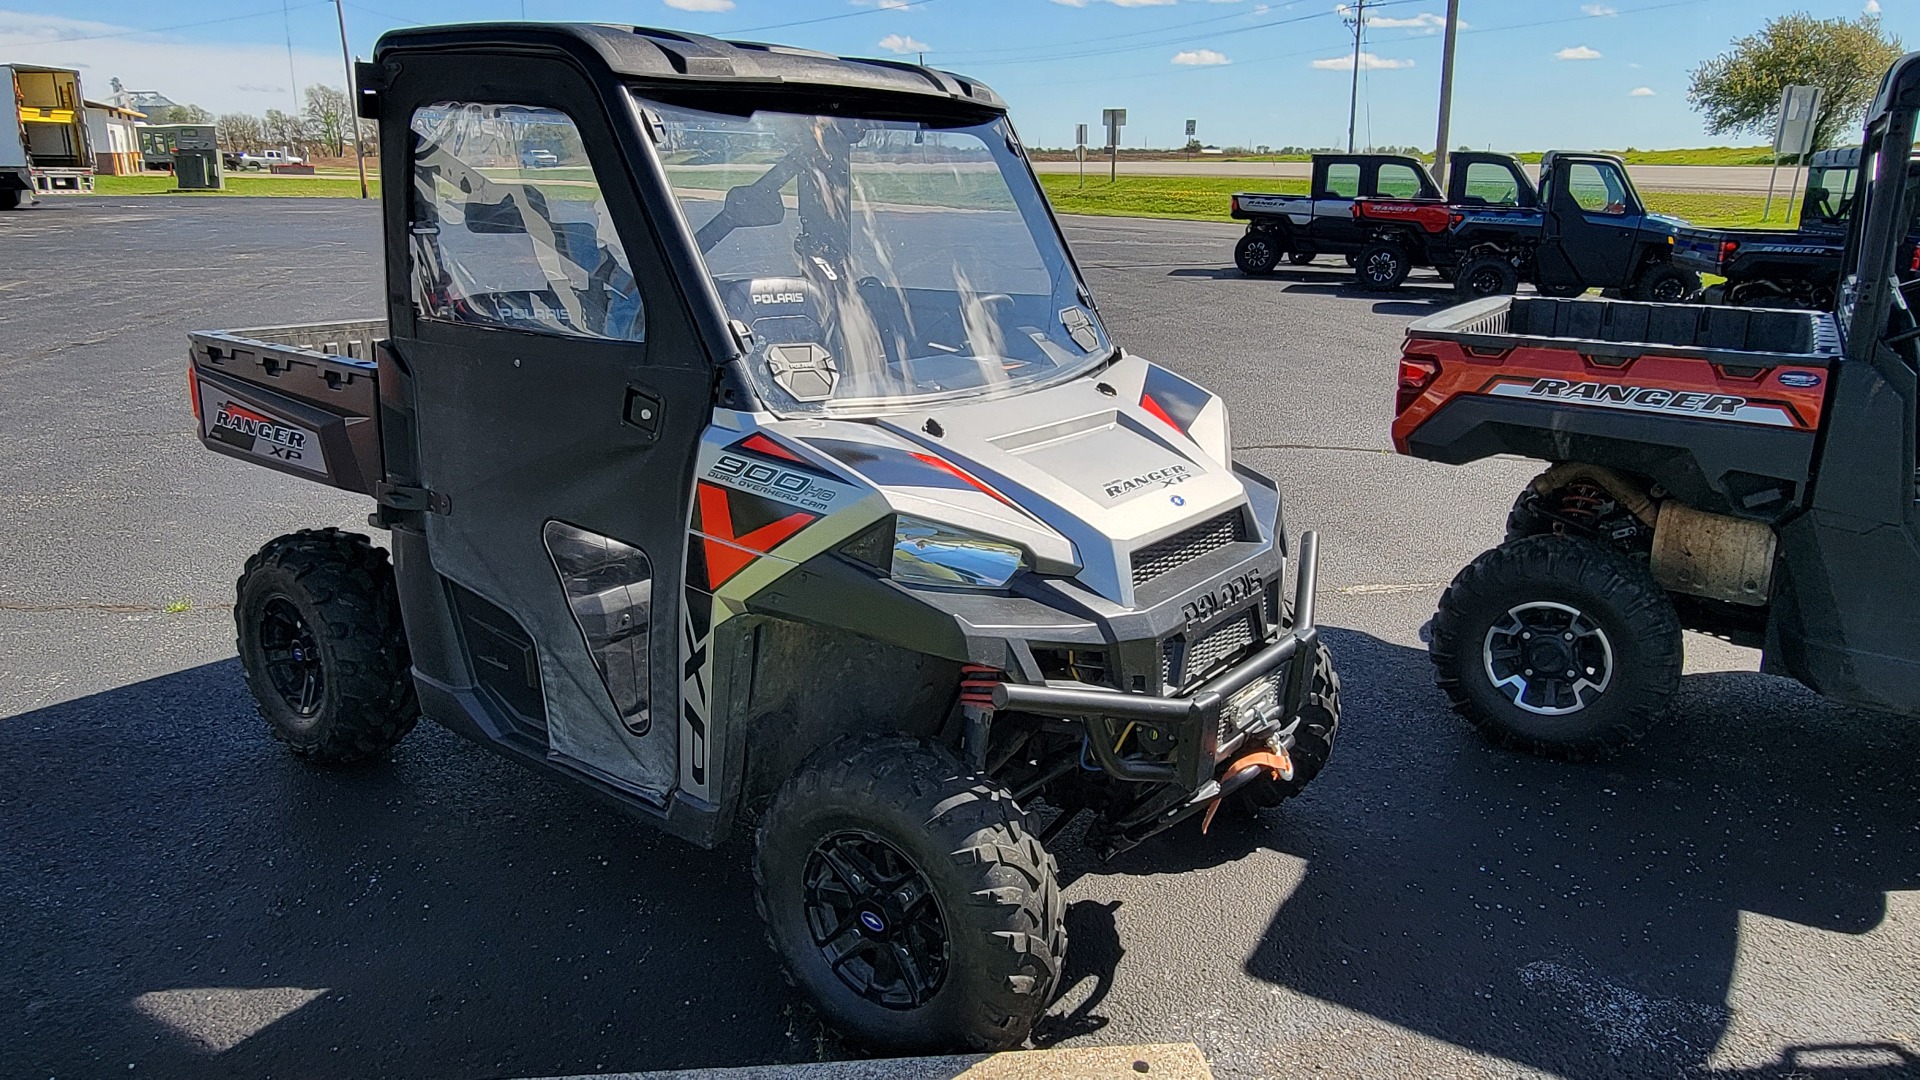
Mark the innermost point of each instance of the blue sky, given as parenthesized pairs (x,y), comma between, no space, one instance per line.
(1532,74)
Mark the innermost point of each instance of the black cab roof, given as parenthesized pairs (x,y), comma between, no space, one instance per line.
(649,55)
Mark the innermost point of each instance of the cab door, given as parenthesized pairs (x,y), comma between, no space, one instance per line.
(1592,226)
(557,389)
(1336,184)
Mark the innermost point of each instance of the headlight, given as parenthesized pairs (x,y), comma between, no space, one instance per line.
(928,553)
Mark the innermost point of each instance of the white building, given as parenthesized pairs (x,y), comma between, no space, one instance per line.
(112,131)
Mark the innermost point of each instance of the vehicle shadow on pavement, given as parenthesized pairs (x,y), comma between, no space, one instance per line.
(180,896)
(1586,919)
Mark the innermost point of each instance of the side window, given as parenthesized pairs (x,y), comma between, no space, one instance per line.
(1595,189)
(1489,184)
(1343,182)
(1397,181)
(509,227)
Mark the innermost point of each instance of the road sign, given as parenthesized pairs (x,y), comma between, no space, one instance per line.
(1080,150)
(1080,135)
(1792,137)
(1192,125)
(1115,119)
(1793,128)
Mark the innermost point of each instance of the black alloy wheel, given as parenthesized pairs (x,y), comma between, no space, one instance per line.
(1665,283)
(1558,646)
(1547,658)
(322,645)
(876,921)
(1257,253)
(1489,275)
(292,656)
(1383,265)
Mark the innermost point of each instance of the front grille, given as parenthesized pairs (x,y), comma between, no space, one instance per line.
(1165,556)
(1183,663)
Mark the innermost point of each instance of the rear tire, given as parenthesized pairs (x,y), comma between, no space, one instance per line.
(983,923)
(323,648)
(1557,646)
(1665,283)
(1313,736)
(10,198)
(1488,275)
(1383,265)
(1257,253)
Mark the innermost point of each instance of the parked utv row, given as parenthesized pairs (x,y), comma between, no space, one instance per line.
(1584,228)
(729,490)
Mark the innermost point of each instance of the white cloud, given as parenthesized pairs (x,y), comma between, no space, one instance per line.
(901,43)
(1640,91)
(223,77)
(699,5)
(1368,62)
(884,5)
(1200,58)
(1599,11)
(1426,22)
(1577,52)
(1872,8)
(1119,3)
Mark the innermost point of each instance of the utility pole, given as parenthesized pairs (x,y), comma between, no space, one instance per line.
(353,99)
(1446,94)
(1357,19)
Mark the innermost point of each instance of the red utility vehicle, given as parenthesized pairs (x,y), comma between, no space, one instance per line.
(1401,234)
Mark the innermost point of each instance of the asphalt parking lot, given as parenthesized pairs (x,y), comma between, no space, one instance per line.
(178,897)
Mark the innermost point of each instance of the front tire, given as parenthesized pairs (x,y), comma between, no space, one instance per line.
(1557,646)
(1257,253)
(1383,265)
(1313,736)
(323,648)
(1488,275)
(1665,283)
(908,898)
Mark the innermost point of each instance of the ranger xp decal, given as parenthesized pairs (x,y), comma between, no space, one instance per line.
(246,428)
(1158,478)
(1653,399)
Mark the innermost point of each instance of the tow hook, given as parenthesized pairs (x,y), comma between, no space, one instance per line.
(1243,770)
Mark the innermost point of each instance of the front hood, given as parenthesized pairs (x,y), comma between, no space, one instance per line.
(1662,223)
(1080,474)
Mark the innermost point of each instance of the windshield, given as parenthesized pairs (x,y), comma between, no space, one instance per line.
(878,263)
(1830,192)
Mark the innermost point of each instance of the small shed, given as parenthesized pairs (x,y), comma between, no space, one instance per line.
(114,132)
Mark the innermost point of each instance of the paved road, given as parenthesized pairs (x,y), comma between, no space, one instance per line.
(1726,179)
(179,898)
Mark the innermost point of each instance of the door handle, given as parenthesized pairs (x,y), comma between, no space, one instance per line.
(642,411)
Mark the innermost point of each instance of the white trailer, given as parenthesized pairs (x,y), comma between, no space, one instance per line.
(44,147)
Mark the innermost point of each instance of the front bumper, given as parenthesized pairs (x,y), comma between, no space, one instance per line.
(1220,715)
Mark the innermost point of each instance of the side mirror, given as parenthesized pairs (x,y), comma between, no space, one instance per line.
(752,205)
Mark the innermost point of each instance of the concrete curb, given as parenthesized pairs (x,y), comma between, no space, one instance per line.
(1171,1061)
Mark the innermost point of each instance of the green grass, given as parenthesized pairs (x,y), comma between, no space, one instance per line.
(276,186)
(1204,198)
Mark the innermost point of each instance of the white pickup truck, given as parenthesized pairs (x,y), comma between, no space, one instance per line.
(267,159)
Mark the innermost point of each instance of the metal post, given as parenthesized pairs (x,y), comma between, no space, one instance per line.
(1767,212)
(1446,94)
(1793,190)
(1359,33)
(353,99)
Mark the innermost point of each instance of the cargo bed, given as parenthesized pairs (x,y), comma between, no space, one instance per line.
(1625,330)
(300,399)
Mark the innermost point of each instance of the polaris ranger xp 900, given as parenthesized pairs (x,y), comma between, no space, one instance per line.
(762,456)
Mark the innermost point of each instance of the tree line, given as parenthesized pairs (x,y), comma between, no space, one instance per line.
(320,129)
